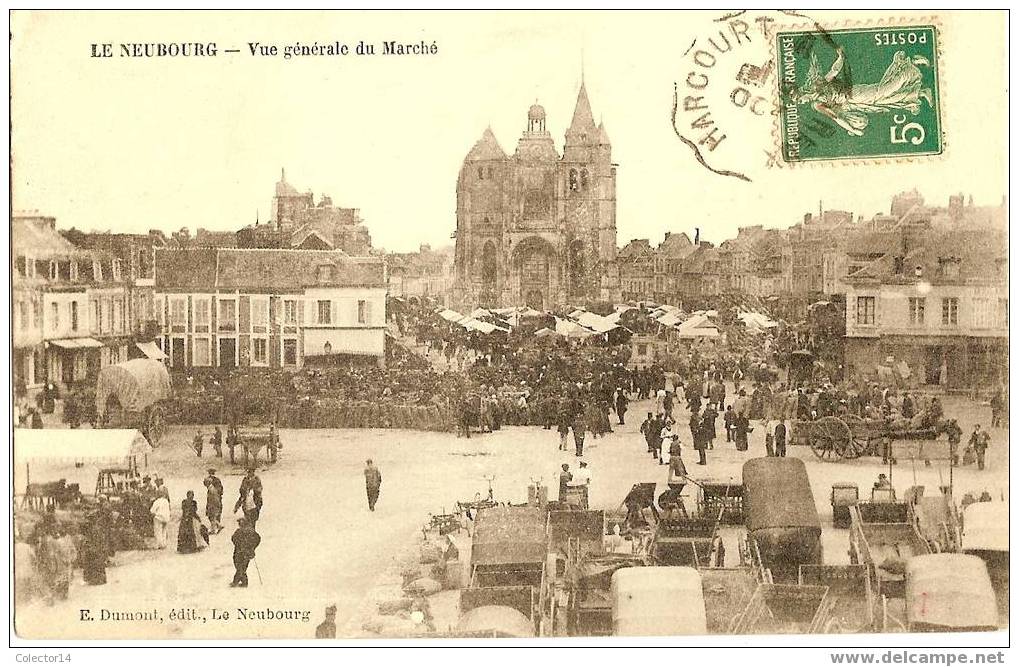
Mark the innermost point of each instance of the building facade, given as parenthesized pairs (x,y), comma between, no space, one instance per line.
(71,307)
(538,228)
(269,308)
(942,308)
(427,273)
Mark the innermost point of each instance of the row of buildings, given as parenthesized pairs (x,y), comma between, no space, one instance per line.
(812,259)
(304,287)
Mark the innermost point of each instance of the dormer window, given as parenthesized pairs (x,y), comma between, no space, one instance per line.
(73,270)
(117,270)
(54,269)
(325,273)
(97,271)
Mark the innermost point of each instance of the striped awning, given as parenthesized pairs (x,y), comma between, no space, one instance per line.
(75,343)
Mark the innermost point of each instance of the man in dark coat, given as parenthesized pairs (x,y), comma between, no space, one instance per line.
(621,404)
(780,438)
(565,477)
(372,483)
(217,442)
(979,441)
(245,540)
(700,441)
(250,497)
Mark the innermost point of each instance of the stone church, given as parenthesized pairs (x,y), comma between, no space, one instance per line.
(538,228)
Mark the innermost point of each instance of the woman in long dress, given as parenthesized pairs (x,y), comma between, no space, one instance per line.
(95,549)
(192,535)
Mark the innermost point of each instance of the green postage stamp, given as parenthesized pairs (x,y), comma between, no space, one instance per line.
(858,93)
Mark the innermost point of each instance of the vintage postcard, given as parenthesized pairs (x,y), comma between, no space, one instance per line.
(510,326)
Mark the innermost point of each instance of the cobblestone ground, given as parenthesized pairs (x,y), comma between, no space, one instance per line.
(320,544)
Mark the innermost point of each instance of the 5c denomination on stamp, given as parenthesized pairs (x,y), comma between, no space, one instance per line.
(858,93)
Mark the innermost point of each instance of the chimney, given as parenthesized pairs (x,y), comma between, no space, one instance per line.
(807,217)
(696,235)
(667,235)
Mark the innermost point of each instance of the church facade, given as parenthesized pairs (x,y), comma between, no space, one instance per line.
(538,228)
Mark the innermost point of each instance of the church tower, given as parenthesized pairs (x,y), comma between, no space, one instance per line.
(588,205)
(535,227)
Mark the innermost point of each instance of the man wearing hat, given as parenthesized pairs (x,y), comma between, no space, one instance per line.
(327,628)
(214,501)
(245,540)
(372,483)
(250,497)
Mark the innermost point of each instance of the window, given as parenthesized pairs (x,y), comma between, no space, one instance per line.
(950,311)
(179,313)
(290,312)
(118,315)
(362,311)
(583,179)
(97,317)
(22,315)
(260,351)
(983,315)
(259,315)
(108,317)
(74,316)
(325,273)
(290,352)
(30,267)
(55,316)
(573,180)
(491,172)
(481,173)
(1003,313)
(866,310)
(201,355)
(73,270)
(97,271)
(201,306)
(227,315)
(118,269)
(325,314)
(916,309)
(53,270)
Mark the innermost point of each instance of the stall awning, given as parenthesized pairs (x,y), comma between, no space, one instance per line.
(104,445)
(151,351)
(75,343)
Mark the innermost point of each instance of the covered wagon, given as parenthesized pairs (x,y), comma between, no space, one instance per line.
(130,395)
(782,522)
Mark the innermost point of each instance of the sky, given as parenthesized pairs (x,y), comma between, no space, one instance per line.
(129,145)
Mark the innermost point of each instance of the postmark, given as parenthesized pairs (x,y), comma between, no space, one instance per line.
(858,93)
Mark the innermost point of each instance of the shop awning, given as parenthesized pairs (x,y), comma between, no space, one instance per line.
(109,446)
(151,351)
(75,343)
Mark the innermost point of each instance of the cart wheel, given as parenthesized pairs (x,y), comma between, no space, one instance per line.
(155,425)
(831,439)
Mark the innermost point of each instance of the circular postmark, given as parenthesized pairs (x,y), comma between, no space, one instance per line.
(724,105)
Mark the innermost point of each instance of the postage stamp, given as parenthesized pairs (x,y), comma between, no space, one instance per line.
(858,93)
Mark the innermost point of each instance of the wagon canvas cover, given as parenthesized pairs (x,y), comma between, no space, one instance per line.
(137,384)
(509,535)
(777,495)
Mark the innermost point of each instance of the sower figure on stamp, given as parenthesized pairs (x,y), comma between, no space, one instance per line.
(250,497)
(372,483)
(245,540)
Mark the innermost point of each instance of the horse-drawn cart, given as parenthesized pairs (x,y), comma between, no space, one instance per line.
(131,394)
(835,438)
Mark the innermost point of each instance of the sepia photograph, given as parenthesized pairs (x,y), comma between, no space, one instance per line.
(511,328)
